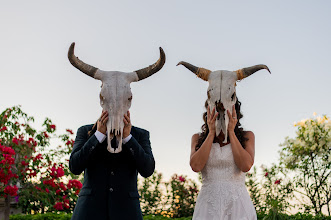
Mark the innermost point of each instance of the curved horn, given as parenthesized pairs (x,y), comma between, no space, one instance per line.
(245,72)
(200,72)
(85,68)
(148,71)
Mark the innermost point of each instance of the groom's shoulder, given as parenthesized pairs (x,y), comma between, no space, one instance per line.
(85,128)
(140,131)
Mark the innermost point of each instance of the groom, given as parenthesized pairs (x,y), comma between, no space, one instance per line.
(110,180)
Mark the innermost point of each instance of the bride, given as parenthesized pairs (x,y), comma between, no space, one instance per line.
(223,193)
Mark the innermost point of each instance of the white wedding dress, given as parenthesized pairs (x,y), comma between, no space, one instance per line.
(223,195)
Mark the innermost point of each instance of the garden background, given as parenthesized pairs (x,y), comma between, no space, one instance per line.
(293,39)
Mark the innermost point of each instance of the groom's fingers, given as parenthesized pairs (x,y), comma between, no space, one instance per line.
(127,118)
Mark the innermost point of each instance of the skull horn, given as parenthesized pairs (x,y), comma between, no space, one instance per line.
(245,72)
(200,72)
(85,68)
(148,71)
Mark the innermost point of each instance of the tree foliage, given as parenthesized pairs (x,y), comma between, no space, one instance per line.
(308,156)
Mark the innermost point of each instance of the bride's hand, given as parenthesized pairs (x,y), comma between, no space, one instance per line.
(232,119)
(211,118)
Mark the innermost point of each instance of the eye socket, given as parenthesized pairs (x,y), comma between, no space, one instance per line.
(233,95)
(208,94)
(130,98)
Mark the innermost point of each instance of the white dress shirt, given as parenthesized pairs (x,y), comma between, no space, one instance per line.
(101,137)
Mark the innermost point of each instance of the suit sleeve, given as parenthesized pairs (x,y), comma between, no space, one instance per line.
(142,154)
(82,149)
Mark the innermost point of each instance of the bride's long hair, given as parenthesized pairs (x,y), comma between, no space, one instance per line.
(238,130)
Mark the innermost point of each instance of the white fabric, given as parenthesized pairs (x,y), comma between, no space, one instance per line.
(223,195)
(101,137)
(126,140)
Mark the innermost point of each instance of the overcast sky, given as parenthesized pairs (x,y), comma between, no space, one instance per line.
(293,38)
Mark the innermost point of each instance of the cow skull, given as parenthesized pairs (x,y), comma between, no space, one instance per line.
(115,95)
(222,90)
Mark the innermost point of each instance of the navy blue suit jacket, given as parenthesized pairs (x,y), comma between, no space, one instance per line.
(110,180)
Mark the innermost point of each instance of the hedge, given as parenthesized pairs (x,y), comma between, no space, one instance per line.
(53,216)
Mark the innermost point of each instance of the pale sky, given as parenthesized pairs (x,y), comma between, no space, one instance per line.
(293,38)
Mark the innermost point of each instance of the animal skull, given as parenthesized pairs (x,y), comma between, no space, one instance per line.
(115,95)
(222,90)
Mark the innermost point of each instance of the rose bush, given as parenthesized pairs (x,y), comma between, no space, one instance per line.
(30,169)
(175,198)
(272,191)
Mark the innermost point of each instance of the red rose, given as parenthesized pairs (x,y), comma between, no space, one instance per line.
(266,174)
(182,179)
(60,172)
(70,131)
(15,140)
(277,181)
(58,206)
(11,190)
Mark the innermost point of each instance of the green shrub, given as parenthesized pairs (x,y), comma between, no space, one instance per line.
(47,216)
(260,216)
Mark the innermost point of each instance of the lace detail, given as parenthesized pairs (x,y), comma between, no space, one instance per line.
(223,194)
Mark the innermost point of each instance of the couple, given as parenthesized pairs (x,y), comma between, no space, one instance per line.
(110,180)
(223,151)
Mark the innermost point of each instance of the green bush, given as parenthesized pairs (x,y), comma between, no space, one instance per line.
(260,216)
(47,216)
(64,216)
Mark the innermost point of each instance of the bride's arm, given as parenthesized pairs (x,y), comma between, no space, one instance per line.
(244,158)
(198,159)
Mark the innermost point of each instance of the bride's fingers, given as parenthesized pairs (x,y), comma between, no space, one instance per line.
(213,113)
(234,113)
(215,117)
(229,115)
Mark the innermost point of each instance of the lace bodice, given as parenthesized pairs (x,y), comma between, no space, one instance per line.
(221,167)
(223,195)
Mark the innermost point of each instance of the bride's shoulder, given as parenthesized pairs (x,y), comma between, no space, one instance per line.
(249,135)
(195,137)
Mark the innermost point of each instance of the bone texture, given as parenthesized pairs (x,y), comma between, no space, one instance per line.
(85,68)
(245,72)
(150,70)
(202,73)
(222,91)
(115,95)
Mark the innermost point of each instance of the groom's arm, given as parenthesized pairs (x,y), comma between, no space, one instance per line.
(82,150)
(142,153)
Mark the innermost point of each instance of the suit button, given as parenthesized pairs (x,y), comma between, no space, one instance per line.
(111,190)
(112,173)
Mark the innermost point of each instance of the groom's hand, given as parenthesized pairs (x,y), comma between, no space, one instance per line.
(127,125)
(102,122)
